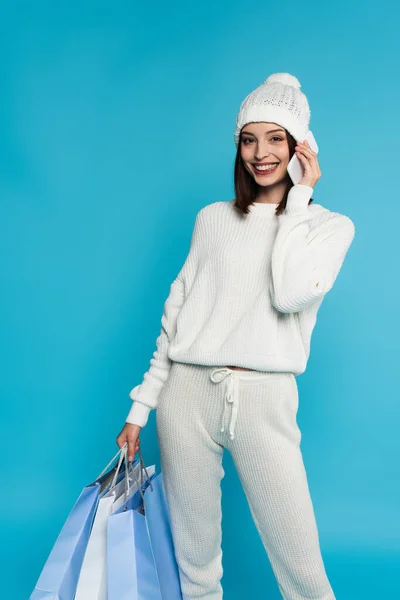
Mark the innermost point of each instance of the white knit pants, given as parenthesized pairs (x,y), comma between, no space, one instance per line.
(257,412)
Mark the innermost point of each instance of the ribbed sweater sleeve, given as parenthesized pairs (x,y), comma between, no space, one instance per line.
(307,254)
(145,395)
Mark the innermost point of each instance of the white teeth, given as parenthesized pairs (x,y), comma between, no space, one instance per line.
(265,167)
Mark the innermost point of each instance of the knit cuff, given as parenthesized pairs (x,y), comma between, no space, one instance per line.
(139,414)
(132,393)
(298,198)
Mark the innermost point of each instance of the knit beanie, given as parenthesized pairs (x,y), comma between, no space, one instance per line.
(277,100)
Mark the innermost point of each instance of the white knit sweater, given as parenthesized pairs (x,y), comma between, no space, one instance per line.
(249,291)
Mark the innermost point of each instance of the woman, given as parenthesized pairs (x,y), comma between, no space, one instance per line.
(235,333)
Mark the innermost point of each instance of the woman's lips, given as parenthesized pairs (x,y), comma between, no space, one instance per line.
(266,172)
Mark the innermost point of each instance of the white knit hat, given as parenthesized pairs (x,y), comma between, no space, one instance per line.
(277,100)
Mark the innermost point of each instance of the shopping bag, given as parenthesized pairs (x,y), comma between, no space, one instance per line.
(141,562)
(92,582)
(60,573)
(129,553)
(161,540)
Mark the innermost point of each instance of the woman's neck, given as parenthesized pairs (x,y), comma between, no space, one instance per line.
(271,194)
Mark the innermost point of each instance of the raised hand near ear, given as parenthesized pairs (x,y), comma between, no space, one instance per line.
(309,161)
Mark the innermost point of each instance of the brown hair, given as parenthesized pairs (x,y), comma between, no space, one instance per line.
(246,186)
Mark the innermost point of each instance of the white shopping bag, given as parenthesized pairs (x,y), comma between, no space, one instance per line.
(92,583)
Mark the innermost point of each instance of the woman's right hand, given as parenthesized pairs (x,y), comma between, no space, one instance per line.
(130,433)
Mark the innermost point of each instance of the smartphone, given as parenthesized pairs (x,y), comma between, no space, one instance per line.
(295,168)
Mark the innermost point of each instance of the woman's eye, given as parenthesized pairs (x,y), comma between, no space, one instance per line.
(249,140)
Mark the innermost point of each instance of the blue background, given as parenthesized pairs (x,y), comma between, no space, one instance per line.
(116,127)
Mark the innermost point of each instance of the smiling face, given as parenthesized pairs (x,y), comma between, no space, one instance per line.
(265,145)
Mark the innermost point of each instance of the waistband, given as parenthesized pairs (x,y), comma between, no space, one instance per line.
(231,377)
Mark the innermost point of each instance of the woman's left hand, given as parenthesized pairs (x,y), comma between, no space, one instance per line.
(309,161)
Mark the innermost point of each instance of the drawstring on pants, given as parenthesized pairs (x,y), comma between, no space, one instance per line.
(232,394)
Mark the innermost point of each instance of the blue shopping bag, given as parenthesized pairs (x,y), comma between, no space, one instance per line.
(141,562)
(161,540)
(92,583)
(60,573)
(131,572)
